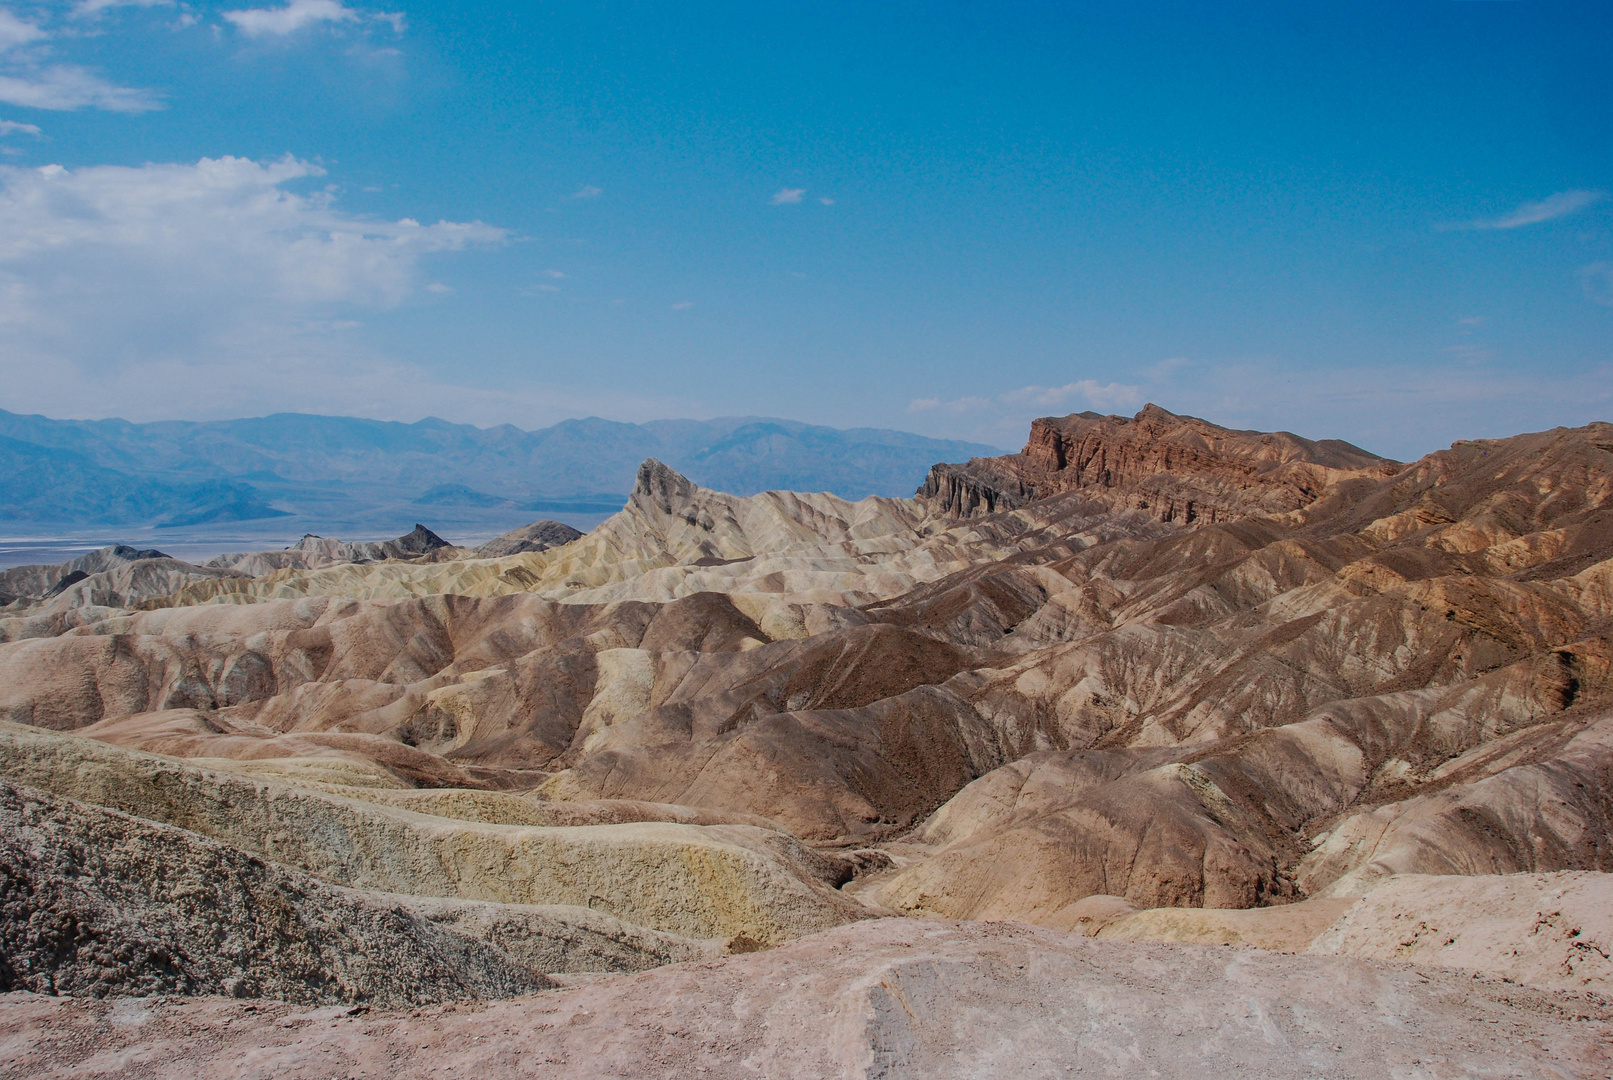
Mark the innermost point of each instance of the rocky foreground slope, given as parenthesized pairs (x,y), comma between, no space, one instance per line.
(1149,678)
(892,999)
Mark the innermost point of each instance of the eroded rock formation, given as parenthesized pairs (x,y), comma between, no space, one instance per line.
(1147,666)
(1176,468)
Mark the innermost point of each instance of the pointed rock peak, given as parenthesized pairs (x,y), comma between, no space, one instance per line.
(662,483)
(420,540)
(1151,411)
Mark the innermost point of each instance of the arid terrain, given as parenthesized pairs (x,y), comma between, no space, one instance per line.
(1154,745)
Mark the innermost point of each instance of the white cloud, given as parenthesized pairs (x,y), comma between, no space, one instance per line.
(826,201)
(12,127)
(1533,213)
(294,16)
(587,191)
(85,9)
(683,305)
(63,87)
(15,31)
(788,196)
(27,79)
(231,217)
(111,276)
(556,274)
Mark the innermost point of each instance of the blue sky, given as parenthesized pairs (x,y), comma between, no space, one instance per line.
(1383,222)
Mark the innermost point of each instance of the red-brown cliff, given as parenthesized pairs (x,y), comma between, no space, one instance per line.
(1182,469)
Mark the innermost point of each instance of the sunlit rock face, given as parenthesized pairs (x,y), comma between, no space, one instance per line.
(1176,468)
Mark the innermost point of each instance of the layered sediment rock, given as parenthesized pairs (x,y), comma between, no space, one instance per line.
(1176,468)
(1329,672)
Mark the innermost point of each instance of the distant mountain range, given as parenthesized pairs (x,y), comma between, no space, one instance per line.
(341,470)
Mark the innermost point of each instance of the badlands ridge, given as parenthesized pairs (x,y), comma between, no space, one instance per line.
(1089,714)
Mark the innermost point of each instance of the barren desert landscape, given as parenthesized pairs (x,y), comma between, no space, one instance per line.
(1153,745)
(647,540)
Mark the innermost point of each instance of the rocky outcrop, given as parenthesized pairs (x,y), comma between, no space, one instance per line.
(1178,469)
(122,576)
(98,903)
(675,539)
(721,881)
(34,583)
(313,552)
(1547,930)
(538,536)
(888,998)
(107,577)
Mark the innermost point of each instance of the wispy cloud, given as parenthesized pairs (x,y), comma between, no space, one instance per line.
(28,79)
(1086,391)
(826,201)
(788,196)
(1004,418)
(298,15)
(683,305)
(15,31)
(204,244)
(64,87)
(1533,213)
(587,191)
(194,279)
(85,9)
(1090,391)
(12,127)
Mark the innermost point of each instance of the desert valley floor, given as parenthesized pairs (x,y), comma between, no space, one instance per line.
(1156,749)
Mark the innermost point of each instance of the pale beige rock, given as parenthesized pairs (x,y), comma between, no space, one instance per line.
(697,881)
(890,998)
(1284,928)
(1547,930)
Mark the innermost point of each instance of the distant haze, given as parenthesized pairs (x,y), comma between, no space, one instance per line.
(290,472)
